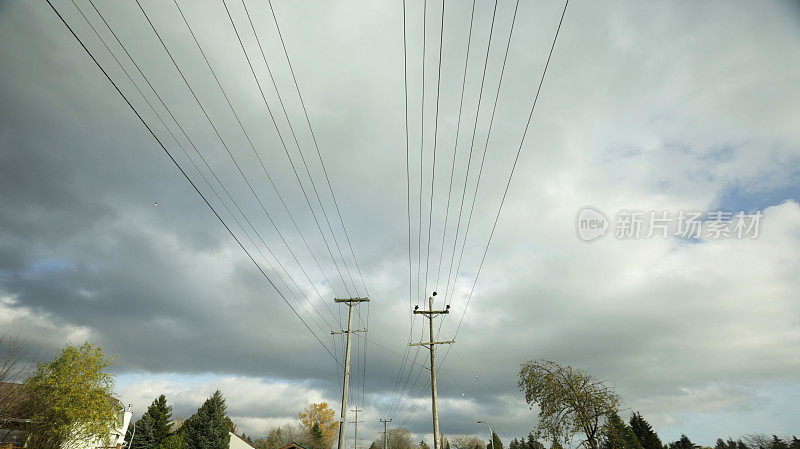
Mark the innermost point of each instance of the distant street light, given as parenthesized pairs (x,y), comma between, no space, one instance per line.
(491,434)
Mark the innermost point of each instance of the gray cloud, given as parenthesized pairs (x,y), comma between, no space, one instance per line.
(649,106)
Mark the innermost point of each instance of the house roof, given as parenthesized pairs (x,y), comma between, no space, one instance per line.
(243,440)
(293,445)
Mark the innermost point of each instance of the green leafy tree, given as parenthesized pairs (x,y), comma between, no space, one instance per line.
(570,401)
(618,435)
(161,417)
(208,428)
(69,398)
(645,433)
(175,441)
(142,436)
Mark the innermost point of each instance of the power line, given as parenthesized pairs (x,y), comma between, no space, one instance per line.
(486,144)
(471,147)
(297,143)
(264,168)
(177,165)
(435,140)
(285,148)
(455,145)
(228,151)
(319,153)
(194,147)
(513,167)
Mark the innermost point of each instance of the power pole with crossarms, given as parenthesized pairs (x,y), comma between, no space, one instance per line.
(346,382)
(431,345)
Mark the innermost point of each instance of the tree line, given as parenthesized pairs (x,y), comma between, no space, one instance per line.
(573,404)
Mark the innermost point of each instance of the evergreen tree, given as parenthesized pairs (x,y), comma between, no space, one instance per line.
(720,444)
(317,438)
(142,435)
(644,432)
(740,445)
(495,443)
(533,443)
(795,444)
(514,444)
(161,417)
(175,441)
(618,435)
(683,443)
(208,428)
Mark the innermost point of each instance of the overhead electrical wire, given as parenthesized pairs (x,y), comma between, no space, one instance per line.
(316,145)
(178,166)
(294,137)
(263,167)
(455,146)
(435,141)
(119,42)
(513,168)
(471,147)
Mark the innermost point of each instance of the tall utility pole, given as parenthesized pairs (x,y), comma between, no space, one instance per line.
(431,345)
(346,382)
(355,436)
(385,435)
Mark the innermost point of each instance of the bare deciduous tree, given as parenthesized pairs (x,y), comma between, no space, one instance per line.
(13,370)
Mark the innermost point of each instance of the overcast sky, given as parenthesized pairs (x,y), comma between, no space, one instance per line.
(648,106)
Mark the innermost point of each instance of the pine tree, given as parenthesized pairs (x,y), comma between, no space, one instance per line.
(142,435)
(317,438)
(208,428)
(683,443)
(533,443)
(495,443)
(618,435)
(161,417)
(514,444)
(795,444)
(720,444)
(644,432)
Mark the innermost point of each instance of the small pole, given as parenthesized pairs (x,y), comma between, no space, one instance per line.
(385,435)
(355,436)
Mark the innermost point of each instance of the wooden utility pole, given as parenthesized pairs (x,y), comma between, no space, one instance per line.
(356,421)
(346,382)
(431,345)
(385,435)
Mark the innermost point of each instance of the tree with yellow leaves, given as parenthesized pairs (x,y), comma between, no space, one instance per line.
(323,418)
